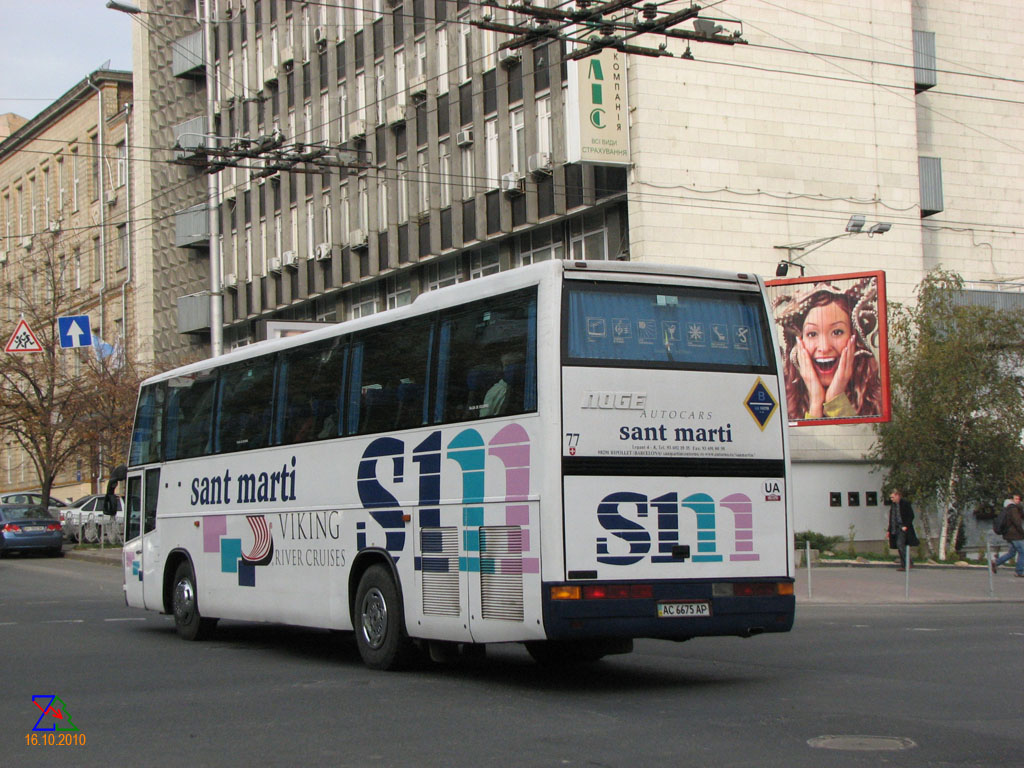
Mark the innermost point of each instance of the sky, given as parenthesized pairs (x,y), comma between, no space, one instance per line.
(47,46)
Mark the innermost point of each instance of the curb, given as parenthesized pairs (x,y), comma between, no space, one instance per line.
(110,556)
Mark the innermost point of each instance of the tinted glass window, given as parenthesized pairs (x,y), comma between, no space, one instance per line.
(487,361)
(660,326)
(246,396)
(189,415)
(389,378)
(147,433)
(311,382)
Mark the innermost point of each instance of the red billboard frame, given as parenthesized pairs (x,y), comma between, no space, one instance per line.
(861,295)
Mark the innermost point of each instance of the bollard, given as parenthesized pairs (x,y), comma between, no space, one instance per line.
(807,559)
(988,567)
(906,570)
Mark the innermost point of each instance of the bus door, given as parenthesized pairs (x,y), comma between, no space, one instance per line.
(142,557)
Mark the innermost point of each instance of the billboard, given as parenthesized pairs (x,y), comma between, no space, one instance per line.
(834,347)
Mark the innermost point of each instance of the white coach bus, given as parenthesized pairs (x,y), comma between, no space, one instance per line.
(569,455)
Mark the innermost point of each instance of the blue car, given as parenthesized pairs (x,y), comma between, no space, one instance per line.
(29,528)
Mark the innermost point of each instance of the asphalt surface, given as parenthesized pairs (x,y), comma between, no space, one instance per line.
(838,583)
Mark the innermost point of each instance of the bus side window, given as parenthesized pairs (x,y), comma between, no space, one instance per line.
(189,415)
(244,409)
(388,374)
(311,383)
(488,359)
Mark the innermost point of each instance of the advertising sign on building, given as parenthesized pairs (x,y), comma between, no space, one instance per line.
(833,336)
(597,112)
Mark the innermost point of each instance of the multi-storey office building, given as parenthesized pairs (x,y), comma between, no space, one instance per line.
(478,160)
(64,188)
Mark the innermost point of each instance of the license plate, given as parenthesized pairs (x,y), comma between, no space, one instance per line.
(689,609)
(33,528)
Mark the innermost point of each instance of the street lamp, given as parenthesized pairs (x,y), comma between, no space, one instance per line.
(216,292)
(797,251)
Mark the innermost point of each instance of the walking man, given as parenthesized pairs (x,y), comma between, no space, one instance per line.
(901,526)
(1014,536)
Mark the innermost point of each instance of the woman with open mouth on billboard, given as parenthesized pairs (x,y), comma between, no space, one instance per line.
(831,370)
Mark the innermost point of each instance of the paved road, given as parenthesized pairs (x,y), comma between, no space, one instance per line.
(919,678)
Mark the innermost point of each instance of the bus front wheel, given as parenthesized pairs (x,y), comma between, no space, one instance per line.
(184,604)
(379,624)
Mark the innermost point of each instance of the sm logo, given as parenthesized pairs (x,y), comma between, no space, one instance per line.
(650,528)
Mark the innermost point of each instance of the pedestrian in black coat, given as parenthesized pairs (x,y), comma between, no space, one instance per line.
(901,526)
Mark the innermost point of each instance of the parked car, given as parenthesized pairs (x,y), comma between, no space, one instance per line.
(30,497)
(29,528)
(83,517)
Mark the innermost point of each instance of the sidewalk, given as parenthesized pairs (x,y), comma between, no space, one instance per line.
(837,583)
(882,584)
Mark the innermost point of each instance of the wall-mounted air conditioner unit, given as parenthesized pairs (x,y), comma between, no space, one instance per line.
(418,85)
(539,163)
(3,257)
(464,138)
(357,239)
(270,75)
(230,280)
(53,226)
(396,115)
(110,198)
(357,129)
(288,58)
(289,259)
(26,242)
(513,184)
(322,36)
(508,57)
(274,264)
(323,251)
(230,193)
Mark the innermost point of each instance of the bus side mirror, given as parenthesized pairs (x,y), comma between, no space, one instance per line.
(110,500)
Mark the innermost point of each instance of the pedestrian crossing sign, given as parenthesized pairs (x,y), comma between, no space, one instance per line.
(23,340)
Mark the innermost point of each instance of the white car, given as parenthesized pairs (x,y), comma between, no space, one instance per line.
(84,519)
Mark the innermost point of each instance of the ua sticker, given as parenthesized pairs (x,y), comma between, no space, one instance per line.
(761,404)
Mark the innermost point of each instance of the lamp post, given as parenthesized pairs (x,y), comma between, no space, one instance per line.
(216,291)
(797,251)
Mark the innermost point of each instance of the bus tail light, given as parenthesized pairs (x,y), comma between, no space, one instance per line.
(752,589)
(603,592)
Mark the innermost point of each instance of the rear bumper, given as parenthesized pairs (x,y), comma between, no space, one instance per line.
(31,543)
(637,618)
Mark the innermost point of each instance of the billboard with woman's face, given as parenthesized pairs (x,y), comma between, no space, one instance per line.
(834,348)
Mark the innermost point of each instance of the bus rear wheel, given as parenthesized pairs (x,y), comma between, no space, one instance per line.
(379,623)
(191,625)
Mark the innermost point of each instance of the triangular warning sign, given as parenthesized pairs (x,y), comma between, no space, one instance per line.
(23,340)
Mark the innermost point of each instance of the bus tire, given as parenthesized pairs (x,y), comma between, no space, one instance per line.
(379,621)
(189,623)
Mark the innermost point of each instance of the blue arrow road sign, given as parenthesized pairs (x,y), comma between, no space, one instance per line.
(74,331)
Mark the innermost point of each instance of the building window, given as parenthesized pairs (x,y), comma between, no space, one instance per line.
(122,246)
(466,161)
(403,190)
(491,152)
(364,301)
(465,49)
(442,274)
(517,144)
(74,178)
(423,171)
(544,124)
(399,291)
(445,167)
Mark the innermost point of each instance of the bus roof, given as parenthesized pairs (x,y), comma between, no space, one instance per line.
(472,290)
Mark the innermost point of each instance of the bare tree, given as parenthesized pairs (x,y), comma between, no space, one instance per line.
(61,404)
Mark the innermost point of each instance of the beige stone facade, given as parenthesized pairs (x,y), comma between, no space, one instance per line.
(65,183)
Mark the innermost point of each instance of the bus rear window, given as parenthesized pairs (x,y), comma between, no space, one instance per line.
(666,327)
